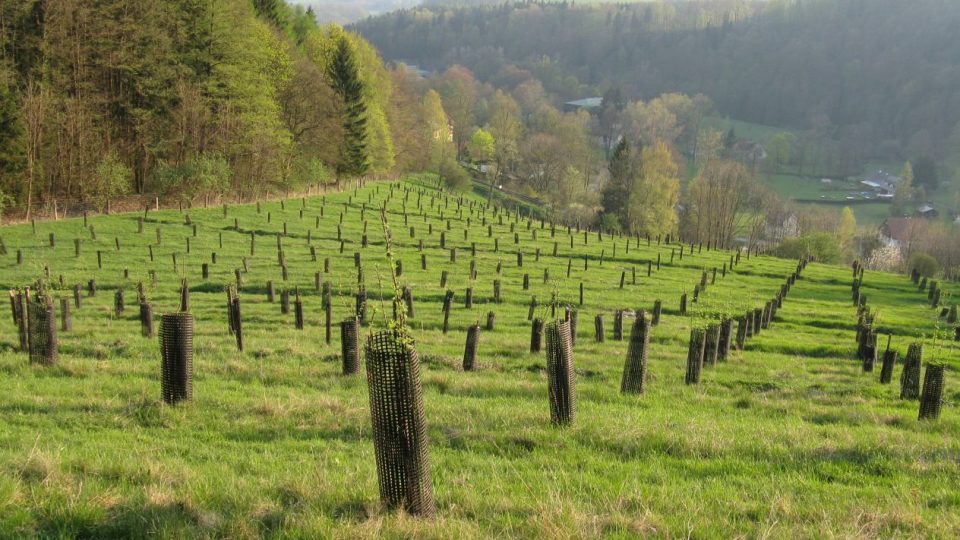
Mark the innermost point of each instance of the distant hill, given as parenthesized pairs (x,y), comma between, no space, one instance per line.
(880,73)
(345,11)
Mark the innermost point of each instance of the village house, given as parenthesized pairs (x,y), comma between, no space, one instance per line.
(927,211)
(882,183)
(749,152)
(588,104)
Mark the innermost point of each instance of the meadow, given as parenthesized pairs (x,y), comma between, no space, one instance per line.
(788,438)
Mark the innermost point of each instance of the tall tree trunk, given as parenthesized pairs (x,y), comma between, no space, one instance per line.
(33,110)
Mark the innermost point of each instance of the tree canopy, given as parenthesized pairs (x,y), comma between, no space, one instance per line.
(184,97)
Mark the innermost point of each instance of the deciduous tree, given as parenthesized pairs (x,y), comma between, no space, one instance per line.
(904,192)
(655,193)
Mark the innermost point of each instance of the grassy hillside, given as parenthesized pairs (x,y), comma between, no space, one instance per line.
(788,438)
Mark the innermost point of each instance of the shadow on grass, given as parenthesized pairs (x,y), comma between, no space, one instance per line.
(146,520)
(797,349)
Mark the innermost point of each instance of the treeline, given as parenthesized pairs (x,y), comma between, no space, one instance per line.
(180,98)
(872,78)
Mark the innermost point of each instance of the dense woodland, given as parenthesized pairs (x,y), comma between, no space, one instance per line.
(186,97)
(856,74)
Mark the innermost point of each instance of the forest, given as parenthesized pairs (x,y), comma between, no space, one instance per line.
(855,73)
(181,98)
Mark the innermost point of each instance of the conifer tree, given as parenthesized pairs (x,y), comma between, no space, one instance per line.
(345,80)
(616,194)
(274,11)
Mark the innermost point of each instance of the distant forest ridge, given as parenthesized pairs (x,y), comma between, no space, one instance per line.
(347,11)
(879,73)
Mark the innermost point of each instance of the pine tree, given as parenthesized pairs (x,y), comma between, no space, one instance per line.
(729,139)
(274,11)
(345,81)
(616,194)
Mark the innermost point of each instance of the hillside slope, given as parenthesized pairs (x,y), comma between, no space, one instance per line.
(787,438)
(859,70)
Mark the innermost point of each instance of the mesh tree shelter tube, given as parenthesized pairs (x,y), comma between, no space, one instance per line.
(910,376)
(42,324)
(350,345)
(931,399)
(536,335)
(889,361)
(408,300)
(66,321)
(399,424)
(561,379)
(635,368)
(119,303)
(470,349)
(598,334)
(698,338)
(726,332)
(184,296)
(298,312)
(235,318)
(176,349)
(712,345)
(869,350)
(741,340)
(618,325)
(572,315)
(19,308)
(146,319)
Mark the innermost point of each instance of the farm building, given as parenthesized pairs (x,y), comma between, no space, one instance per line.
(881,182)
(927,211)
(749,152)
(587,104)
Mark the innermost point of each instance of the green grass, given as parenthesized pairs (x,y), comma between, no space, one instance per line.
(788,439)
(743,130)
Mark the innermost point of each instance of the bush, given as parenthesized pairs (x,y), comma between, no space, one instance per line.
(821,246)
(309,171)
(576,213)
(923,263)
(111,180)
(454,176)
(610,222)
(206,173)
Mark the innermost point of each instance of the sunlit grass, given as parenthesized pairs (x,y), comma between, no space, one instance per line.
(787,439)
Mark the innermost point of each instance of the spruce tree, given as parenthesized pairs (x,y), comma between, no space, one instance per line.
(345,80)
(616,194)
(272,10)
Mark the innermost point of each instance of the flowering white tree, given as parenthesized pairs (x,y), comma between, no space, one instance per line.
(885,258)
